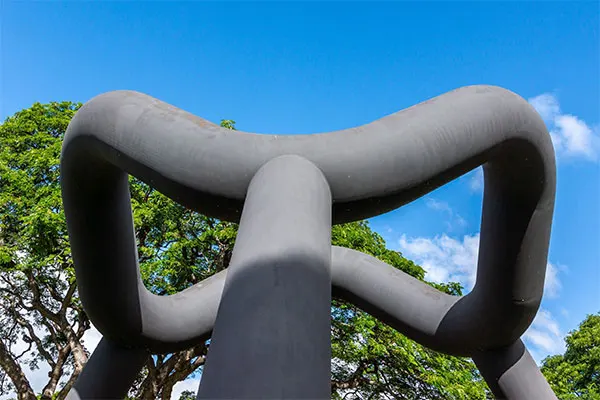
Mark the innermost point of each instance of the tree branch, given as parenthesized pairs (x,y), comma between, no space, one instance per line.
(354,381)
(16,374)
(65,390)
(33,337)
(56,373)
(37,302)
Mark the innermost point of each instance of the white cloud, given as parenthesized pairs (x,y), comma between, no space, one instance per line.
(546,105)
(552,285)
(188,384)
(572,137)
(439,205)
(544,336)
(476,180)
(460,220)
(575,137)
(444,258)
(455,219)
(448,259)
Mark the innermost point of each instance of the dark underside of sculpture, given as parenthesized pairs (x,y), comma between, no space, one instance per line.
(286,192)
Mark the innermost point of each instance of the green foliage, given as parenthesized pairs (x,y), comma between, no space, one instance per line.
(576,373)
(31,213)
(359,236)
(37,304)
(228,124)
(187,395)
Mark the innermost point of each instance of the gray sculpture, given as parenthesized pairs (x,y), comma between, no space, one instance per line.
(268,314)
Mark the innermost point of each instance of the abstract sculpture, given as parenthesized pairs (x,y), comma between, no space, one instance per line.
(268,313)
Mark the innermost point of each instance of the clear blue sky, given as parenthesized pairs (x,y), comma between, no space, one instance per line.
(310,67)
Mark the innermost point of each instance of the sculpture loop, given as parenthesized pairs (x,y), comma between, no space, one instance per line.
(286,191)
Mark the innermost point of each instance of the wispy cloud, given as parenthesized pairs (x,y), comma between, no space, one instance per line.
(439,205)
(544,336)
(455,220)
(446,259)
(546,105)
(572,137)
(476,180)
(553,284)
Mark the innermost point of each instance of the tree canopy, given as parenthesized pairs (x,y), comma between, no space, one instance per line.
(43,323)
(576,373)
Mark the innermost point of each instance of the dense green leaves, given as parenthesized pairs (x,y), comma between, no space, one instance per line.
(576,373)
(38,305)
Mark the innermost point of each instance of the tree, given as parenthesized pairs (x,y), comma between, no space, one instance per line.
(576,373)
(187,395)
(42,321)
(38,304)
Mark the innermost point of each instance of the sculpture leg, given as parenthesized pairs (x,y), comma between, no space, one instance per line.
(512,374)
(109,373)
(272,333)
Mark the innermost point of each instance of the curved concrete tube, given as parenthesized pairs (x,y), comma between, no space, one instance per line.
(380,289)
(109,372)
(511,373)
(272,331)
(209,169)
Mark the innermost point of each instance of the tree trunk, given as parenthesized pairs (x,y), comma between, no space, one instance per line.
(16,374)
(79,356)
(65,390)
(55,374)
(148,389)
(166,392)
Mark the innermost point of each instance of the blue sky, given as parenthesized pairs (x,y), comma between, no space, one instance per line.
(311,67)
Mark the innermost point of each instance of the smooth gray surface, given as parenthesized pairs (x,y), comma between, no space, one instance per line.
(109,372)
(208,168)
(410,152)
(368,170)
(458,325)
(512,373)
(272,334)
(524,380)
(356,275)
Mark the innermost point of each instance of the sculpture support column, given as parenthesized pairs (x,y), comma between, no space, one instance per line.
(272,333)
(511,373)
(109,373)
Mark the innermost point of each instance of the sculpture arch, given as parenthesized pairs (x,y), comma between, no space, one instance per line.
(286,191)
